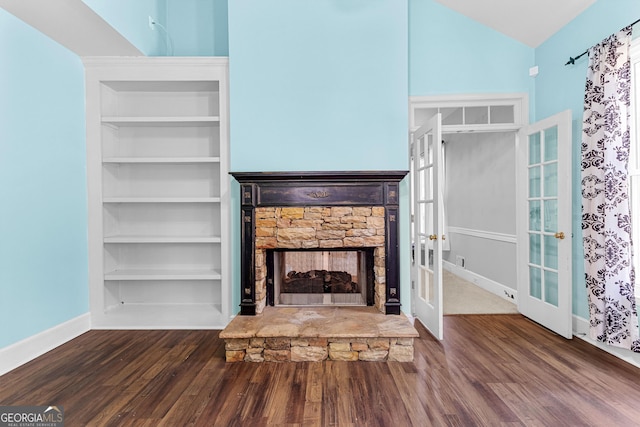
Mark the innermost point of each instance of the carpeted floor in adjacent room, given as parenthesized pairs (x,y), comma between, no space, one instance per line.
(462,297)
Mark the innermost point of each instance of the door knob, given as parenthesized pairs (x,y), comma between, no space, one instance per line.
(433,237)
(559,235)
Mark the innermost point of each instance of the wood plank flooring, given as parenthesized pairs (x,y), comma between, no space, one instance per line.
(491,370)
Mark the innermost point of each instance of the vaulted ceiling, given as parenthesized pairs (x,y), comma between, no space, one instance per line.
(73,24)
(529,21)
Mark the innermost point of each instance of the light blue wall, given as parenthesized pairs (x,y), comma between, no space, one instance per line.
(452,54)
(560,87)
(43,205)
(318,85)
(185,27)
(198,27)
(314,85)
(131,19)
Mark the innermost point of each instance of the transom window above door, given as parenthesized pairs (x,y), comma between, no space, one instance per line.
(476,113)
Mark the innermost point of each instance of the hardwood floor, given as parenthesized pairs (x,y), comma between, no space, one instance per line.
(491,370)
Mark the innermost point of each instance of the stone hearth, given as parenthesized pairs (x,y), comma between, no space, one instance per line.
(315,334)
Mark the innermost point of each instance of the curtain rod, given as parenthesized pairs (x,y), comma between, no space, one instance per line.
(572,60)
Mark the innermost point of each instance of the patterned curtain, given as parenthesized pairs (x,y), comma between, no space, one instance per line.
(606,216)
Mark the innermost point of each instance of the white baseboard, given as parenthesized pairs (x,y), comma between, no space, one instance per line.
(487,284)
(581,330)
(28,349)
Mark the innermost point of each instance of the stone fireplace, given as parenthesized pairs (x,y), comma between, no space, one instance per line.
(312,211)
(311,234)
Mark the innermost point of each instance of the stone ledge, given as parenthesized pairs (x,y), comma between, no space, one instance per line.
(397,350)
(315,334)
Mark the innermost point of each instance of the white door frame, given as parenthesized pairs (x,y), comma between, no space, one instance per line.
(520,103)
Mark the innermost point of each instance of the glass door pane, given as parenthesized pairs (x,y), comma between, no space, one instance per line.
(476,115)
(501,114)
(452,116)
(543,215)
(425,217)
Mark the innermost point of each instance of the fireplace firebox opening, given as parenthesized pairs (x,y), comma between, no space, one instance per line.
(320,277)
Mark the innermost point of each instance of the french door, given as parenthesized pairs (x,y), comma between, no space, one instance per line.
(544,223)
(427,225)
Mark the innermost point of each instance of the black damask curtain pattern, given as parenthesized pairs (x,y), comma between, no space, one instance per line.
(606,215)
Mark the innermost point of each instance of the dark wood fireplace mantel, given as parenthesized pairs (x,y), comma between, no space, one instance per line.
(289,189)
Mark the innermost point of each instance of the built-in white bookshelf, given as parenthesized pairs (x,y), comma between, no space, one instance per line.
(157,167)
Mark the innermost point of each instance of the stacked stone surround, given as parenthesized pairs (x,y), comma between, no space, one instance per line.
(285,349)
(319,228)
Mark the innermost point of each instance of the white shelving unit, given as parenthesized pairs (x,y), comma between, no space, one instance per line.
(157,167)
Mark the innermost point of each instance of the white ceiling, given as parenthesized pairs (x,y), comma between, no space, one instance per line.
(529,21)
(73,24)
